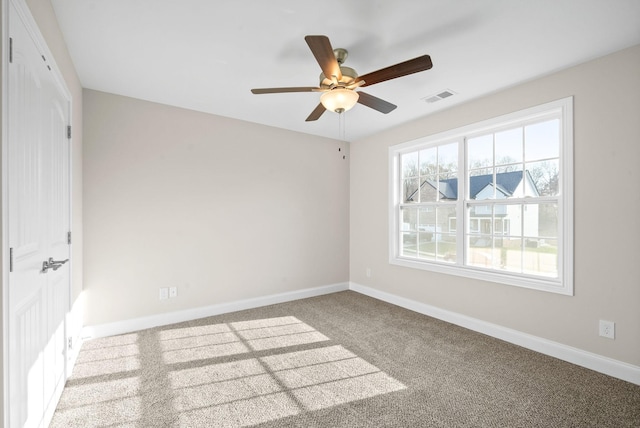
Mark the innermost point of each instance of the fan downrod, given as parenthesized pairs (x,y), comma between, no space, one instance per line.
(341,55)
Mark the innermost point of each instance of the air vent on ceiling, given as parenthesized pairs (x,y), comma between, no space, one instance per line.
(439,96)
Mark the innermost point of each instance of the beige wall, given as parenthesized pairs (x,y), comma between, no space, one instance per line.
(607,251)
(223,209)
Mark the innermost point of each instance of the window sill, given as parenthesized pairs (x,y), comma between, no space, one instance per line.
(553,285)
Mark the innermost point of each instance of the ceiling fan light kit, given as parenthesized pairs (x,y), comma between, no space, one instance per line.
(339,83)
(339,100)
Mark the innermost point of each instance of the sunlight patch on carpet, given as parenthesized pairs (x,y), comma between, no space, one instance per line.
(204,352)
(108,356)
(224,375)
(186,344)
(288,340)
(120,412)
(98,393)
(257,390)
(214,373)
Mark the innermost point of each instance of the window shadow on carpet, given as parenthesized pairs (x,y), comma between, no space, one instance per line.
(234,374)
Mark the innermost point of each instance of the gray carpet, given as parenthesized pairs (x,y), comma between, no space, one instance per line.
(341,360)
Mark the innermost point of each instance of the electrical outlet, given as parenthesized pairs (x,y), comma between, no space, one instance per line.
(164,293)
(608,329)
(368,271)
(173,292)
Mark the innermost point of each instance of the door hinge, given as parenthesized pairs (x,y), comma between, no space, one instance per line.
(69,132)
(10,50)
(69,238)
(10,260)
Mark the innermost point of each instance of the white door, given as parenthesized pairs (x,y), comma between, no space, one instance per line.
(38,223)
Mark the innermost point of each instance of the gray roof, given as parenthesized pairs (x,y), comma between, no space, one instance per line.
(506,183)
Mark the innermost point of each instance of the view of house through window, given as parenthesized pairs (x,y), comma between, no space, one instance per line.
(488,199)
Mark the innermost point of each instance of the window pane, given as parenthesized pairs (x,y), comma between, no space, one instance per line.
(548,220)
(480,251)
(409,245)
(444,217)
(478,217)
(426,245)
(510,182)
(446,241)
(531,223)
(509,148)
(509,168)
(410,190)
(429,161)
(429,189)
(511,254)
(540,258)
(410,165)
(409,218)
(544,176)
(447,159)
(511,216)
(445,247)
(498,254)
(480,151)
(485,226)
(449,188)
(408,229)
(542,140)
(481,184)
(426,229)
(427,221)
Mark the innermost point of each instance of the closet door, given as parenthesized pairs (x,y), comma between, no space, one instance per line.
(57,223)
(38,223)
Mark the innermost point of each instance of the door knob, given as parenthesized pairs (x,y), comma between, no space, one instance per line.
(56,264)
(52,264)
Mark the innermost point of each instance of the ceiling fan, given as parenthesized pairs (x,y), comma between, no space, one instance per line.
(338,83)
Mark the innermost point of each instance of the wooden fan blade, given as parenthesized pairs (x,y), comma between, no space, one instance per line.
(415,65)
(321,48)
(316,113)
(375,103)
(282,90)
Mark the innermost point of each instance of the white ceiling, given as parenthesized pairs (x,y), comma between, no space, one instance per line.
(206,55)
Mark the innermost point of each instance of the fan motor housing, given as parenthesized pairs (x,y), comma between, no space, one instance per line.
(349,75)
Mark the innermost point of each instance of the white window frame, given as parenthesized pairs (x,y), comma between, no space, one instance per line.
(563,284)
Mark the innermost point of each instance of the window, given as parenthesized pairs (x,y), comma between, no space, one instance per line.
(491,201)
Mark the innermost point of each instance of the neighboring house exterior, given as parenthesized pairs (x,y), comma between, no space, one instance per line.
(506,219)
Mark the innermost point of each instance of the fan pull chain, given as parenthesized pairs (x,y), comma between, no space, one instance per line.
(342,130)
(341,127)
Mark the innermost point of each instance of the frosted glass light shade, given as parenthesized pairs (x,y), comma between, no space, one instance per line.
(339,100)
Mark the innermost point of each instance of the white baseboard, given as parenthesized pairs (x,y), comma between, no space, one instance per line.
(608,366)
(128,326)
